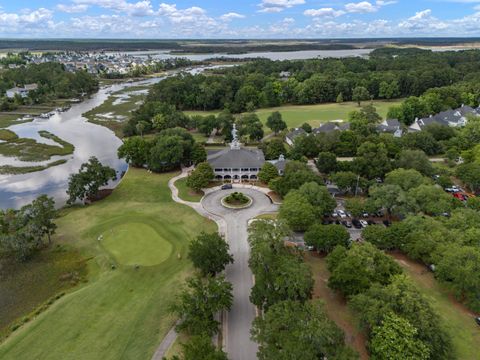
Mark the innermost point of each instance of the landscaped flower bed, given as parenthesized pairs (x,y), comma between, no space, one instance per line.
(237,200)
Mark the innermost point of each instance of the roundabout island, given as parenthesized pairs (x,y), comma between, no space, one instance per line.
(236,200)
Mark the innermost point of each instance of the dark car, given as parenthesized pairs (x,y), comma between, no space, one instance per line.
(387,223)
(227,186)
(356,224)
(477,320)
(371,222)
(347,224)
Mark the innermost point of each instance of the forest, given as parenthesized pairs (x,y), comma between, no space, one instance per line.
(388,73)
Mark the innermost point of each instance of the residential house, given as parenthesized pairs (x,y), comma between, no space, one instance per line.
(21,91)
(292,135)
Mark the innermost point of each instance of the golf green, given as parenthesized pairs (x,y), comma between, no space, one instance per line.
(136,244)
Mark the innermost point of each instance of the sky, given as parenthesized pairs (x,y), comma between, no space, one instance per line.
(238,19)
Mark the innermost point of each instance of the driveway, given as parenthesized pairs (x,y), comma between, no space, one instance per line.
(237,325)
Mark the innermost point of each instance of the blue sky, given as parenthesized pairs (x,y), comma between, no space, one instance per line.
(238,19)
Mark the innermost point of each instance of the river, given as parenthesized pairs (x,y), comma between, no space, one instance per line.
(272,55)
(89,140)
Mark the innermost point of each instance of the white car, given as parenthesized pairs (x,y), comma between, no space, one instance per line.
(363,223)
(342,214)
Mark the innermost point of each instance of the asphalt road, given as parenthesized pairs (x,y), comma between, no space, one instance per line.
(237,325)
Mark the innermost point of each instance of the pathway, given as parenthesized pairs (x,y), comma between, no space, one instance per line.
(233,225)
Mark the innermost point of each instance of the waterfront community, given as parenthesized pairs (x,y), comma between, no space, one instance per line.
(190,200)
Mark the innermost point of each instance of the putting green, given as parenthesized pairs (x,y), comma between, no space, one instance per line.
(136,244)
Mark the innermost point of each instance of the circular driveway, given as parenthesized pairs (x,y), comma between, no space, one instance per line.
(261,204)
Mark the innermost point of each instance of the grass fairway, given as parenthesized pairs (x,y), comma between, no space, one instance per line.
(120,313)
(136,244)
(458,320)
(296,115)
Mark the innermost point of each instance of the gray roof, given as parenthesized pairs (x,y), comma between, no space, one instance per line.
(236,158)
(389,126)
(296,133)
(331,126)
(279,163)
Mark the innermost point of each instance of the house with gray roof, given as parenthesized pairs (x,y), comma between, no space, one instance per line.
(330,127)
(292,135)
(453,118)
(237,163)
(391,126)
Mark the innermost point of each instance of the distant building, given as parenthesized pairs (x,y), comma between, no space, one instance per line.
(292,135)
(391,126)
(21,91)
(330,127)
(452,118)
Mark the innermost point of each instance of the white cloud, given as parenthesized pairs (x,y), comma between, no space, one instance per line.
(272,6)
(324,12)
(231,15)
(79,8)
(361,7)
(139,8)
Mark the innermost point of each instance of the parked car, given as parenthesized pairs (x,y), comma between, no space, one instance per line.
(365,214)
(356,224)
(347,224)
(342,214)
(477,320)
(371,222)
(334,214)
(387,223)
(227,186)
(363,223)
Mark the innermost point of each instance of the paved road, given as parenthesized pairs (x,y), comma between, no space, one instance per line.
(238,344)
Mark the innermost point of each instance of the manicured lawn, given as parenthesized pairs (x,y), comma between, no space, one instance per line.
(185,193)
(123,311)
(335,305)
(136,243)
(296,115)
(458,320)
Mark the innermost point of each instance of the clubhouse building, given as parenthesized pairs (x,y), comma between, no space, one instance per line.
(236,163)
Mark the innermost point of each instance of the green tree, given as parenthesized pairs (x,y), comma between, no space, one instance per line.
(293,331)
(388,90)
(200,347)
(209,253)
(415,159)
(405,178)
(296,174)
(431,200)
(200,177)
(396,338)
(360,94)
(339,99)
(307,127)
(87,182)
(275,122)
(469,174)
(378,235)
(362,266)
(199,154)
(389,197)
(346,181)
(326,237)
(297,211)
(40,215)
(134,150)
(372,160)
(319,197)
(199,302)
(268,172)
(326,162)
(166,154)
(402,298)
